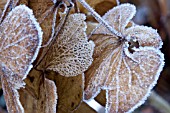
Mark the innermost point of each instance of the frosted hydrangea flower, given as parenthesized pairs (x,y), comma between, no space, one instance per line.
(127,65)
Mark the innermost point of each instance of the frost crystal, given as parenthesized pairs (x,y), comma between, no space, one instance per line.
(20,40)
(127,66)
(72,53)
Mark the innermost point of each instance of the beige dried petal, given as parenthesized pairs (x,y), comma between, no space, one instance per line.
(20,40)
(146,36)
(69,90)
(104,54)
(72,53)
(118,18)
(11,96)
(134,80)
(124,65)
(48,97)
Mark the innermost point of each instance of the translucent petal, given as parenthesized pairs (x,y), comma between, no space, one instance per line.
(135,80)
(20,40)
(118,18)
(71,53)
(146,36)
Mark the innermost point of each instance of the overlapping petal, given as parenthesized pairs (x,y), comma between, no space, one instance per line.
(20,41)
(127,65)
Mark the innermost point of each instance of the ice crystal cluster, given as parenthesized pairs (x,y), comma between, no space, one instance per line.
(126,64)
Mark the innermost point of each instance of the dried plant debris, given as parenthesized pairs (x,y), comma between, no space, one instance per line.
(11,96)
(39,8)
(20,41)
(126,65)
(47,101)
(2,4)
(69,91)
(71,54)
(48,98)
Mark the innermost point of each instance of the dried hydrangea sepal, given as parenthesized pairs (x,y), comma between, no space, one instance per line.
(120,61)
(118,17)
(11,96)
(72,52)
(19,47)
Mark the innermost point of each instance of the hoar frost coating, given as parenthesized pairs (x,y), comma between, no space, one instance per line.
(20,41)
(127,65)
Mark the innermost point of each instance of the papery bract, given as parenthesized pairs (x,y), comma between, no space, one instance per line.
(126,65)
(20,41)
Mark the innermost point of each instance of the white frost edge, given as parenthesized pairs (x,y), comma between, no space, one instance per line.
(150,29)
(18,100)
(156,77)
(113,10)
(16,93)
(107,100)
(152,85)
(95,105)
(38,28)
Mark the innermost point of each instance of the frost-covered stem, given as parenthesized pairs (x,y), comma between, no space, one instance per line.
(98,17)
(76,6)
(117,2)
(4,11)
(159,102)
(14,3)
(95,105)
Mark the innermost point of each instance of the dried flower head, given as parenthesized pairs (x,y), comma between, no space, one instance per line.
(126,64)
